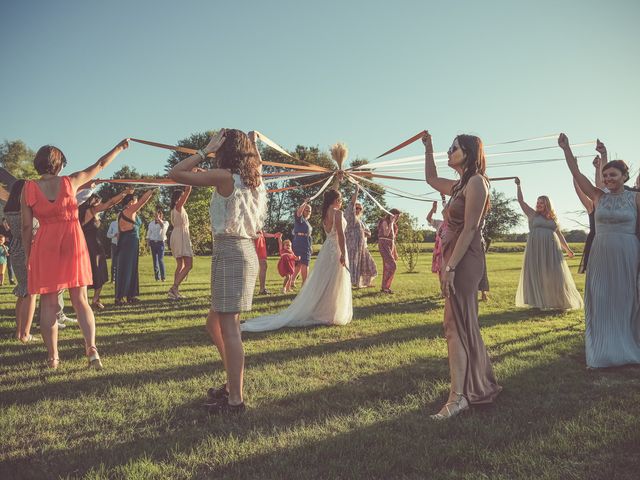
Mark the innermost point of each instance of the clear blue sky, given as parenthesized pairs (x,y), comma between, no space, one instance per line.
(83,75)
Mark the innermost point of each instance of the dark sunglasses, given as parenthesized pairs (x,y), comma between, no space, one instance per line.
(452,149)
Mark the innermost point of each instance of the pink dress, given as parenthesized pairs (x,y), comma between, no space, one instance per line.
(59,257)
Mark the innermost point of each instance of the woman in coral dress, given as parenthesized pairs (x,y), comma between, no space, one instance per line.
(57,257)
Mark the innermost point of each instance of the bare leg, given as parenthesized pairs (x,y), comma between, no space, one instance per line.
(262,275)
(187,265)
(96,296)
(176,275)
(85,316)
(304,271)
(295,274)
(49,324)
(234,352)
(215,332)
(25,308)
(285,284)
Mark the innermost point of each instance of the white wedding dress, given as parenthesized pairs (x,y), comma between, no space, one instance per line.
(325,298)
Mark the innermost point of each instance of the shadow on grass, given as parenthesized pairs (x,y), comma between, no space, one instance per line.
(401,444)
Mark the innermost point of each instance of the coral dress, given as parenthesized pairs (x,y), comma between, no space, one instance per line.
(59,257)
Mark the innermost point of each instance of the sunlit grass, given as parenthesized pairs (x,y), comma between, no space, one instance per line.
(341,402)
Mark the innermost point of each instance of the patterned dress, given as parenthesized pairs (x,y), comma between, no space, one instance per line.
(363,268)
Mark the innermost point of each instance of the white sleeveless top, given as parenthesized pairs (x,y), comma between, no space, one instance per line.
(242,213)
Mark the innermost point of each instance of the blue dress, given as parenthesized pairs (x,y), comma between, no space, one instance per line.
(612,306)
(127,283)
(301,244)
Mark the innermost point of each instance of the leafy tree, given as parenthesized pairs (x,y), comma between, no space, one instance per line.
(17,159)
(501,217)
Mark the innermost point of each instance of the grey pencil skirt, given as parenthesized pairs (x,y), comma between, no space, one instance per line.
(234,268)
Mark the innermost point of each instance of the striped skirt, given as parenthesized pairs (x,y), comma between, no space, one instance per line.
(234,268)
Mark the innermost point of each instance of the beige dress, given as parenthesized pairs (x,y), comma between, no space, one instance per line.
(180,241)
(461,308)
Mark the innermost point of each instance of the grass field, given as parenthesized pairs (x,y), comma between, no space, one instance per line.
(342,402)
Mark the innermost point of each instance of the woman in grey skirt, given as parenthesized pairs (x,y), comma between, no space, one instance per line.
(238,208)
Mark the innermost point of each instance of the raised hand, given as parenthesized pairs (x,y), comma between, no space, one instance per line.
(563,141)
(596,161)
(427,141)
(216,141)
(434,207)
(600,148)
(123,145)
(517,180)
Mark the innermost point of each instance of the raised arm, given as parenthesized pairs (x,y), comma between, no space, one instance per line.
(476,194)
(186,172)
(183,198)
(586,201)
(583,182)
(528,211)
(89,173)
(603,159)
(443,185)
(142,201)
(112,201)
(301,207)
(26,216)
(434,207)
(564,244)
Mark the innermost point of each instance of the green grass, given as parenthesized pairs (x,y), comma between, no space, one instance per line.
(340,402)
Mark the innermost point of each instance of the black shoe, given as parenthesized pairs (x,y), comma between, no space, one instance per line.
(218,393)
(223,407)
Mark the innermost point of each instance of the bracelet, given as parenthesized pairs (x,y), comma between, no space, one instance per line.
(201,153)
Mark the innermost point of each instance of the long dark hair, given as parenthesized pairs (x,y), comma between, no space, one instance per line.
(13,202)
(240,155)
(175,196)
(330,196)
(475,162)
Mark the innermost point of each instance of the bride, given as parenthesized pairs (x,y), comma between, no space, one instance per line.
(325,298)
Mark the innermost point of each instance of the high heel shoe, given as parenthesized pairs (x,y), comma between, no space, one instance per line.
(53,363)
(452,408)
(94,359)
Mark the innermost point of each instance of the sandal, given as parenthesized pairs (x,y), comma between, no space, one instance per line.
(223,407)
(452,408)
(94,359)
(26,339)
(218,393)
(172,294)
(53,363)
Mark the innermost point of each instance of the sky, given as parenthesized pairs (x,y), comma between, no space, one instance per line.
(83,75)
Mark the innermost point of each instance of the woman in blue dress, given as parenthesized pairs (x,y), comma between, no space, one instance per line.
(301,243)
(612,303)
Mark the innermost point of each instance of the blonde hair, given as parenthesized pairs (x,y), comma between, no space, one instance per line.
(286,242)
(549,212)
(339,152)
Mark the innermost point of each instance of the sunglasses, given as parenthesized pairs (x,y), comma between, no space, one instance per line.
(358,208)
(452,149)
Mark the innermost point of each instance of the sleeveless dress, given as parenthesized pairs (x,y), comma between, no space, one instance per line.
(545,278)
(59,257)
(180,241)
(127,279)
(325,298)
(461,308)
(97,256)
(612,305)
(362,265)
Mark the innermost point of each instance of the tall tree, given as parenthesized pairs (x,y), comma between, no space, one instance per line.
(17,158)
(501,217)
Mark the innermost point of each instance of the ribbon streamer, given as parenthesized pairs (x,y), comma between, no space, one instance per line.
(404,144)
(193,151)
(366,192)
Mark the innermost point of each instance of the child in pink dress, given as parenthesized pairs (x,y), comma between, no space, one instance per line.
(287,263)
